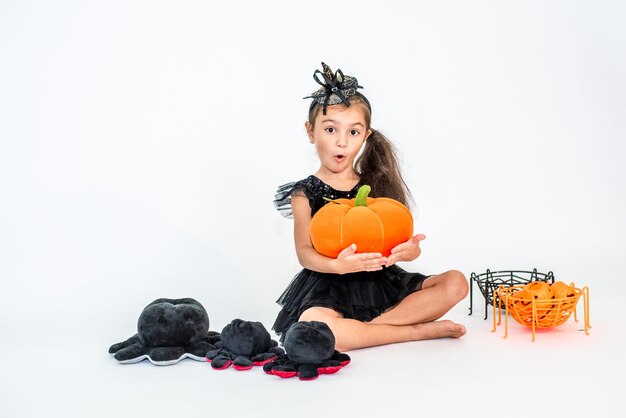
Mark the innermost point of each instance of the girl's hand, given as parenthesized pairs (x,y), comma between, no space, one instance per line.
(407,251)
(349,262)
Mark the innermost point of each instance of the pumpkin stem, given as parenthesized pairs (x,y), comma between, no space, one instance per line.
(361,195)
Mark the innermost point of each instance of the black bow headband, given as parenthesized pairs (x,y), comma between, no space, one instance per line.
(336,88)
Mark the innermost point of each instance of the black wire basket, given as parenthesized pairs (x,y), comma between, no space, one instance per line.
(490,280)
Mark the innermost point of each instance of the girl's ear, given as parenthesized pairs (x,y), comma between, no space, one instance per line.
(369,133)
(309,131)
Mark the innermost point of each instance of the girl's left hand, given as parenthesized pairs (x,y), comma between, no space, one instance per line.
(407,251)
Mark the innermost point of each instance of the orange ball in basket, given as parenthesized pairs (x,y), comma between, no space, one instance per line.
(542,293)
(375,225)
(539,290)
(561,290)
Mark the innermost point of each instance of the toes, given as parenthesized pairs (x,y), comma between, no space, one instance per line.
(458,330)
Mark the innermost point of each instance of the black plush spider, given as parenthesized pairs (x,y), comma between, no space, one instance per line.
(310,350)
(244,344)
(168,330)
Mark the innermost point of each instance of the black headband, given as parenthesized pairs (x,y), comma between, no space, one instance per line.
(336,88)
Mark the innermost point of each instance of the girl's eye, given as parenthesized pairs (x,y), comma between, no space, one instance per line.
(330,130)
(354,132)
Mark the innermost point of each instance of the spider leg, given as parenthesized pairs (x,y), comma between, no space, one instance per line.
(221,361)
(343,358)
(329,367)
(267,367)
(164,356)
(308,372)
(198,351)
(281,367)
(279,351)
(242,363)
(129,351)
(214,337)
(131,341)
(211,354)
(261,359)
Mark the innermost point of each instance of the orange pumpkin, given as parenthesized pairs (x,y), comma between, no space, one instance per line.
(375,225)
(561,290)
(542,293)
(539,290)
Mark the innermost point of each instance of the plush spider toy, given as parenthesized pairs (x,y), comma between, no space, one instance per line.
(310,350)
(243,344)
(168,330)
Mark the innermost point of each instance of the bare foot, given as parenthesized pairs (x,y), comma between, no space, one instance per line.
(439,329)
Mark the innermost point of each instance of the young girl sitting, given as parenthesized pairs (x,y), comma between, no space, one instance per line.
(365,298)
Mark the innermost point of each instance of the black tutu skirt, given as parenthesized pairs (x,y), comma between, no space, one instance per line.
(362,295)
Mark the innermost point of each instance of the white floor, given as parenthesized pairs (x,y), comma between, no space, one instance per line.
(563,373)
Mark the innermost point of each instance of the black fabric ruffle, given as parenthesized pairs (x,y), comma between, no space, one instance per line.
(314,189)
(362,295)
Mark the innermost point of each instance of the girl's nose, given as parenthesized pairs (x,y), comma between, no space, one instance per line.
(342,141)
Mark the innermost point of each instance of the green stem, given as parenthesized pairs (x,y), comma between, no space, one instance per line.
(361,195)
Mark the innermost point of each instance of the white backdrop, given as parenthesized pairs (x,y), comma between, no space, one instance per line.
(141,144)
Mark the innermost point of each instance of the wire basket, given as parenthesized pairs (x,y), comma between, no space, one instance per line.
(490,281)
(538,313)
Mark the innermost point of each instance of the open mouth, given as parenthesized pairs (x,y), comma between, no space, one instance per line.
(339,158)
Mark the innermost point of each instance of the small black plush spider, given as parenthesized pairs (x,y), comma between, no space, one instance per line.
(243,344)
(310,350)
(168,330)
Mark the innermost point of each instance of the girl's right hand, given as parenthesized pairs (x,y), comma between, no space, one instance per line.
(349,262)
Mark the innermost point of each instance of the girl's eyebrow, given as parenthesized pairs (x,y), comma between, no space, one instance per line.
(334,121)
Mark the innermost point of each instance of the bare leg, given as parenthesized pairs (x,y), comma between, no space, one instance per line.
(438,295)
(413,319)
(351,334)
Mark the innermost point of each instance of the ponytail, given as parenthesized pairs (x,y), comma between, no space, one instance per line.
(378,167)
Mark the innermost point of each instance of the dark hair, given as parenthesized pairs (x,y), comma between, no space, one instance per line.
(378,163)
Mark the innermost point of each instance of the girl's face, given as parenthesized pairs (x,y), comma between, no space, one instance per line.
(338,136)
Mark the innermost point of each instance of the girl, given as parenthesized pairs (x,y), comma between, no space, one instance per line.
(364,298)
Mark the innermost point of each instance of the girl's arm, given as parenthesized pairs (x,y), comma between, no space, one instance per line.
(346,262)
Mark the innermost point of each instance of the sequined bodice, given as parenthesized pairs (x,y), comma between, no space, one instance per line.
(314,189)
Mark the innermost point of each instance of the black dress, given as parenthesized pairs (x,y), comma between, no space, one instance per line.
(362,295)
